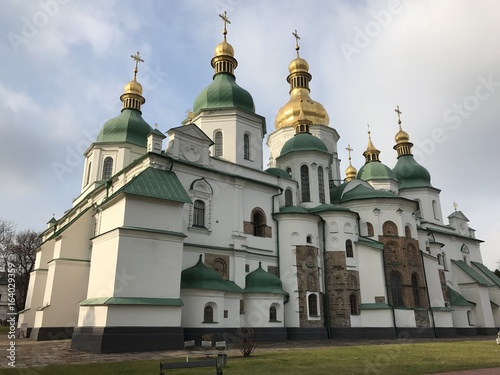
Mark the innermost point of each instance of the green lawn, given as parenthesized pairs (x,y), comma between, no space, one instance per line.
(394,359)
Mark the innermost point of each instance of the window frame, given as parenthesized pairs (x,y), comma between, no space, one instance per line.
(199,214)
(107,168)
(305,183)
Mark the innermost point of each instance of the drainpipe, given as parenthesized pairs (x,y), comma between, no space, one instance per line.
(388,294)
(326,299)
(428,295)
(277,230)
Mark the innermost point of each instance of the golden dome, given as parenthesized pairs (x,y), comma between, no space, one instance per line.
(298,65)
(371,153)
(133,87)
(301,104)
(224,49)
(402,136)
(350,173)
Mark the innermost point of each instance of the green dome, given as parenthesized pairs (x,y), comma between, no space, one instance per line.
(303,142)
(355,190)
(260,281)
(375,170)
(410,173)
(128,126)
(278,172)
(223,92)
(201,277)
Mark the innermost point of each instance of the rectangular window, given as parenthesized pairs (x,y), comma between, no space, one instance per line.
(199,214)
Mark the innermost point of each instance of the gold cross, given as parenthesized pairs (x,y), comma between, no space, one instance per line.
(226,21)
(349,149)
(137,59)
(297,37)
(399,114)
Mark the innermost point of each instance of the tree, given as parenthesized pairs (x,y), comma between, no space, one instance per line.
(21,256)
(7,234)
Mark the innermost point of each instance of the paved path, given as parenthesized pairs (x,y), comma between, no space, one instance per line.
(42,353)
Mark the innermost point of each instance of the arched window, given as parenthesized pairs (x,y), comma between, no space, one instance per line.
(304,183)
(349,253)
(309,239)
(289,171)
(389,229)
(218,144)
(321,185)
(312,301)
(89,168)
(220,266)
(208,314)
(407,231)
(369,230)
(396,289)
(288,197)
(199,213)
(353,301)
(259,224)
(246,146)
(273,317)
(415,289)
(107,169)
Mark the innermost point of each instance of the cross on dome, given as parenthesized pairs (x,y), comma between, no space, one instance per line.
(226,21)
(297,37)
(137,59)
(399,115)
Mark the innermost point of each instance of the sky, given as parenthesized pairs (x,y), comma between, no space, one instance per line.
(64,64)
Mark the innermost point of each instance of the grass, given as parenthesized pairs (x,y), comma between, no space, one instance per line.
(393,359)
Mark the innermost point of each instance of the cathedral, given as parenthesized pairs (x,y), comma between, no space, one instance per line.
(181,235)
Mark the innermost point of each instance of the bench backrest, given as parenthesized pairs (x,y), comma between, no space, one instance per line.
(217,363)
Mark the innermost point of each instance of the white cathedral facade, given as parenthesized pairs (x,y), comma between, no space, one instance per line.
(172,240)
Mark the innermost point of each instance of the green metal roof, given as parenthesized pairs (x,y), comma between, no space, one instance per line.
(339,193)
(293,210)
(260,281)
(278,172)
(328,207)
(223,92)
(476,276)
(202,277)
(370,243)
(128,126)
(100,301)
(157,183)
(410,173)
(374,306)
(456,299)
(491,275)
(303,142)
(375,170)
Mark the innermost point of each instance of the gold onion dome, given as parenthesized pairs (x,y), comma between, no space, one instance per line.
(133,87)
(132,97)
(401,135)
(300,102)
(224,49)
(350,172)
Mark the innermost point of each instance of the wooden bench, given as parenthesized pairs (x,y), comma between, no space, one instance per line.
(217,363)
